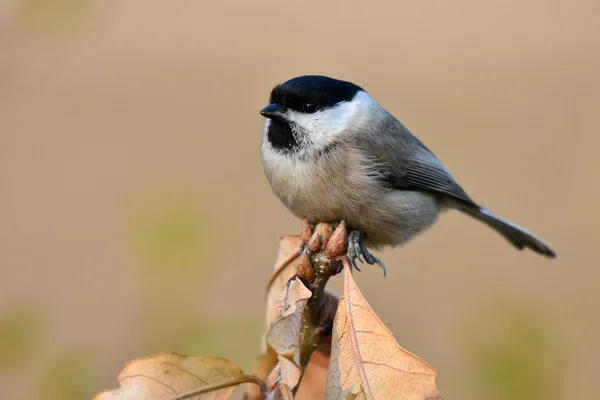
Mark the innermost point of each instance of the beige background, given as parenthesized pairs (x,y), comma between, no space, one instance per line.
(135,217)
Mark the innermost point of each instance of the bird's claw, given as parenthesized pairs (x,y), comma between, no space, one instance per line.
(354,264)
(353,249)
(356,249)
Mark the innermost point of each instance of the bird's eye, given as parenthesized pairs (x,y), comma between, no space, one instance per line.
(310,107)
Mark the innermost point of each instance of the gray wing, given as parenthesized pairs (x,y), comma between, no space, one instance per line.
(406,163)
(424,172)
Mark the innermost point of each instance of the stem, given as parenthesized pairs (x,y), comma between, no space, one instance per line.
(310,340)
(312,330)
(224,384)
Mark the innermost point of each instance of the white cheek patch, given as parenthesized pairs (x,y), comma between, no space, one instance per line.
(325,126)
(266,128)
(326,122)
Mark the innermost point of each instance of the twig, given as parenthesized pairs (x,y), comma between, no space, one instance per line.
(317,318)
(311,331)
(224,384)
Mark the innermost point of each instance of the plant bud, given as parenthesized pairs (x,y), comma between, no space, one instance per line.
(338,243)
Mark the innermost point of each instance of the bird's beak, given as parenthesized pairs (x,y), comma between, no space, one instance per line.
(272,111)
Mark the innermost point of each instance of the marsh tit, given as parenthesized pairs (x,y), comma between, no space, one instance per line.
(332,153)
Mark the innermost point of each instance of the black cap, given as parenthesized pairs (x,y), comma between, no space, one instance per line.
(322,90)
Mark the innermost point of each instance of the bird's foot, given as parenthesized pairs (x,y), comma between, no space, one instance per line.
(358,250)
(325,237)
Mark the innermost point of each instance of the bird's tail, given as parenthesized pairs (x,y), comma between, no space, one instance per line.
(518,236)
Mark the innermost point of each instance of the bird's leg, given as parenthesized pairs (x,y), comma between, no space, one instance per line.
(356,248)
(314,235)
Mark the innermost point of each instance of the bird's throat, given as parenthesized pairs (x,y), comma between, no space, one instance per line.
(280,136)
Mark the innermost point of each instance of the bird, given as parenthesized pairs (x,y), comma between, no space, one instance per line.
(332,153)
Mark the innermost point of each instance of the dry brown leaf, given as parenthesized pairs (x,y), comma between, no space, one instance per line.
(288,250)
(268,366)
(286,393)
(313,381)
(290,372)
(264,365)
(283,269)
(366,361)
(284,334)
(164,376)
(283,337)
(312,385)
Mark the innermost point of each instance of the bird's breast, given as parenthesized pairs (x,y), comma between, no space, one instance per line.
(331,187)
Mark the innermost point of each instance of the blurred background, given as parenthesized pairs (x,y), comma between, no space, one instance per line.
(135,217)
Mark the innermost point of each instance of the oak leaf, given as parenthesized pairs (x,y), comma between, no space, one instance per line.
(165,376)
(366,361)
(284,269)
(284,334)
(289,371)
(284,338)
(312,385)
(268,364)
